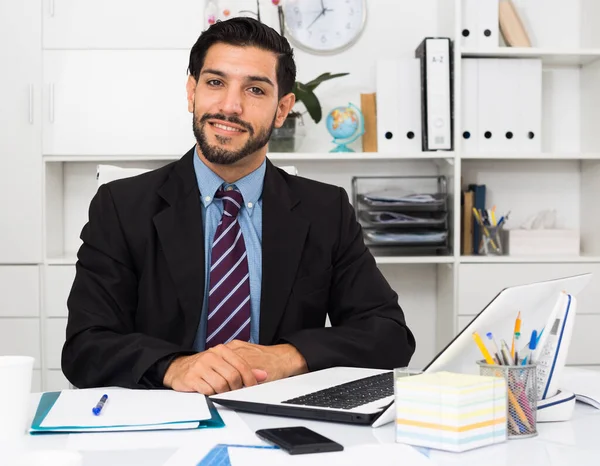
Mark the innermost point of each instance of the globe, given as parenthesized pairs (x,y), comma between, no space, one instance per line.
(345,124)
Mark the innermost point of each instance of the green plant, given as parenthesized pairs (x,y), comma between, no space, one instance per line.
(305,93)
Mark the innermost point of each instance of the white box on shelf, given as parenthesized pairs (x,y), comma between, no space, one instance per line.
(521,242)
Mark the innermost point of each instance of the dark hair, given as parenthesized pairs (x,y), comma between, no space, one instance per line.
(247,32)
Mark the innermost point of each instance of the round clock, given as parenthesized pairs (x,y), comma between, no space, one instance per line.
(324,26)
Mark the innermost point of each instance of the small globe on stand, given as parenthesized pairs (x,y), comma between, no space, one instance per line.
(346,125)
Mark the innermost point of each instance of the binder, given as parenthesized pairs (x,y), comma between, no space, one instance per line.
(528,107)
(491,104)
(368,108)
(480,21)
(48,400)
(470,97)
(479,192)
(437,123)
(398,103)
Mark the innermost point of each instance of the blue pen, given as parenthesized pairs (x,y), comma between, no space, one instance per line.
(532,346)
(96,409)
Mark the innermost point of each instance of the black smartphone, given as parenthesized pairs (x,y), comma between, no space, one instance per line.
(298,440)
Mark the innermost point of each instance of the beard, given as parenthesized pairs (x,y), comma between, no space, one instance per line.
(220,155)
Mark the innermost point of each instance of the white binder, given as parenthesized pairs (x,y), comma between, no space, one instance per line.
(488,24)
(480,24)
(398,100)
(528,137)
(436,93)
(470,97)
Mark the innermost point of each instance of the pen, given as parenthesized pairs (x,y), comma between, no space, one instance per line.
(532,344)
(506,353)
(496,352)
(485,230)
(517,330)
(96,409)
(483,349)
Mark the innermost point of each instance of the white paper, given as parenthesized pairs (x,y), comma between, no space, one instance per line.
(584,383)
(235,430)
(125,407)
(381,455)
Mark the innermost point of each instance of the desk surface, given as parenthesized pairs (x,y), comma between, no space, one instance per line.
(573,442)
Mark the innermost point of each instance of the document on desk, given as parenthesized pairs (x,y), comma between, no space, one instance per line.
(382,455)
(584,383)
(124,409)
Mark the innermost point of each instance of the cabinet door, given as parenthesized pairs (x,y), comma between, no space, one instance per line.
(118,24)
(116,102)
(20,132)
(19,291)
(21,337)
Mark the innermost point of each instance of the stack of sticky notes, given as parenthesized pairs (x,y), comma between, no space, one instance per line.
(449,411)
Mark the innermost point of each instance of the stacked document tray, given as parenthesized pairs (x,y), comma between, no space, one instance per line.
(398,220)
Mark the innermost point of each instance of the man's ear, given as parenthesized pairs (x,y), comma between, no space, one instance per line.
(284,107)
(190,88)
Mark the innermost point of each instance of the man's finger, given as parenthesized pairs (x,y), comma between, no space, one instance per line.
(201,386)
(217,382)
(260,375)
(248,378)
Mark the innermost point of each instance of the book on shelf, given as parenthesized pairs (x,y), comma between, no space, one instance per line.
(369,111)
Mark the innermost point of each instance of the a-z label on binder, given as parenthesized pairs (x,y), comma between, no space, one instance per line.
(435,55)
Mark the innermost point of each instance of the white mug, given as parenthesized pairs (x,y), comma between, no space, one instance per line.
(15,391)
(50,458)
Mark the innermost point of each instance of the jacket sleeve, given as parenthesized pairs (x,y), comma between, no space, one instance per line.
(368,326)
(102,347)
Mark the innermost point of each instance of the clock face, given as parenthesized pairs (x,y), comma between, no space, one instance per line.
(324,26)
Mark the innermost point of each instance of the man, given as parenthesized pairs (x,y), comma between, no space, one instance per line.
(217,271)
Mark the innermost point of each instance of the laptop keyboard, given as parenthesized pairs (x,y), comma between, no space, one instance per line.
(351,394)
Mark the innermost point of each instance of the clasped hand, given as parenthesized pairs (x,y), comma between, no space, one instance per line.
(232,366)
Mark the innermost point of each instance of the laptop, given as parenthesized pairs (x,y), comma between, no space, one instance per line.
(366,396)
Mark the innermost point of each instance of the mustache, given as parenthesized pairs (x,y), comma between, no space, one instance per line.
(231,119)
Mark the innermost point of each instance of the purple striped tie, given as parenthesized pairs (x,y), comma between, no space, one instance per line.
(229,290)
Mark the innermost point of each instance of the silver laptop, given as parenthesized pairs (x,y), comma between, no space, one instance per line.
(365,396)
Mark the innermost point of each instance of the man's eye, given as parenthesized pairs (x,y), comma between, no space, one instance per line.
(214,82)
(256,90)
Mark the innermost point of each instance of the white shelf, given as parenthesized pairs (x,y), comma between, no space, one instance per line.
(273,156)
(549,56)
(537,156)
(414,260)
(529,259)
(64,260)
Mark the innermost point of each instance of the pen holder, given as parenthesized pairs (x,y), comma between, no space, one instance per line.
(521,386)
(491,241)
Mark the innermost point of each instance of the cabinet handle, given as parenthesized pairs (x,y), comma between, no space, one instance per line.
(51,103)
(51,8)
(31,104)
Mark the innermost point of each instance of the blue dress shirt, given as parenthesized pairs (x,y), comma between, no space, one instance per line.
(250,220)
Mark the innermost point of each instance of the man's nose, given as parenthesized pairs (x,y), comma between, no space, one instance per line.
(232,102)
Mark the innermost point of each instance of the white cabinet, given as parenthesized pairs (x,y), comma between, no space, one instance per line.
(57,286)
(19,291)
(123,102)
(21,337)
(20,130)
(118,24)
(55,339)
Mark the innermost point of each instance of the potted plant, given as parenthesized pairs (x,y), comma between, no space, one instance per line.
(285,139)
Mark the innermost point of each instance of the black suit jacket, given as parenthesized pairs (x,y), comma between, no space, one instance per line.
(138,292)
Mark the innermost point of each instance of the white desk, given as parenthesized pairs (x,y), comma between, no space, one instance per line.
(576,442)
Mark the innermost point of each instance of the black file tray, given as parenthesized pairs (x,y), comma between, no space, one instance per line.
(384,219)
(376,201)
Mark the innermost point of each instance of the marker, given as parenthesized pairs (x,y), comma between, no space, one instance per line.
(486,354)
(96,409)
(496,350)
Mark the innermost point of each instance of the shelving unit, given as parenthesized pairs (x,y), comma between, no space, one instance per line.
(119,99)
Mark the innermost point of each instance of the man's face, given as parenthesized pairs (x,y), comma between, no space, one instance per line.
(235,102)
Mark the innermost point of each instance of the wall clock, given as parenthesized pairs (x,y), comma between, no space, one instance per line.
(324,26)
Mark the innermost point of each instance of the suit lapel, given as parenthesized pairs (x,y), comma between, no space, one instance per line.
(283,237)
(181,235)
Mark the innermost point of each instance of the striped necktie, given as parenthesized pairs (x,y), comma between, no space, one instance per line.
(229,288)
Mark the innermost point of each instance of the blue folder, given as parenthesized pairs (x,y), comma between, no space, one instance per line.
(49,398)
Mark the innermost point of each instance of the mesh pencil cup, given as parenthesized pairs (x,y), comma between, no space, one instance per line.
(521,385)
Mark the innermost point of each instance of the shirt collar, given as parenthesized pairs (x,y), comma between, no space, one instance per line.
(250,186)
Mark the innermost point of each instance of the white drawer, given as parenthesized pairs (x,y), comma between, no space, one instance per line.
(58,283)
(55,339)
(55,381)
(20,337)
(583,341)
(36,381)
(478,284)
(19,291)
